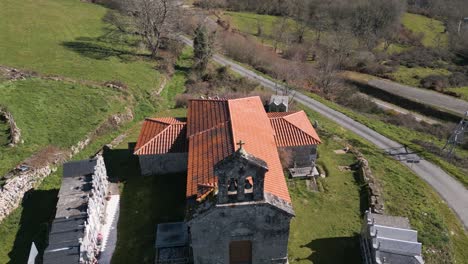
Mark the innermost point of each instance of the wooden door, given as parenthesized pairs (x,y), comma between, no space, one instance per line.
(240,252)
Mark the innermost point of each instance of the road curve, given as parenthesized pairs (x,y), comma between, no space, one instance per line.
(452,191)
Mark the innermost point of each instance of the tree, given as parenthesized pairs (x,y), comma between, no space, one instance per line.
(153,20)
(202,48)
(373,20)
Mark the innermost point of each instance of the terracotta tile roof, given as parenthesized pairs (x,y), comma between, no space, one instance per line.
(246,120)
(162,135)
(293,129)
(250,124)
(205,114)
(205,150)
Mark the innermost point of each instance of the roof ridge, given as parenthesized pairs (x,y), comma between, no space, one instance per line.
(302,130)
(151,140)
(211,128)
(158,120)
(288,114)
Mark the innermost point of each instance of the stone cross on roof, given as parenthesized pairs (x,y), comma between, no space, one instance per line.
(240,144)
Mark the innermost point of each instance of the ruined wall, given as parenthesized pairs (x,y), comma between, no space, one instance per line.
(15,132)
(265,226)
(376,201)
(163,164)
(11,194)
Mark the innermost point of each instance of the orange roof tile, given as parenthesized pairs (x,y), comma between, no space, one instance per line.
(205,150)
(250,124)
(205,114)
(293,129)
(161,135)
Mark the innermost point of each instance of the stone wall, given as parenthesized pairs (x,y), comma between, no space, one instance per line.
(265,226)
(163,164)
(15,132)
(13,191)
(376,201)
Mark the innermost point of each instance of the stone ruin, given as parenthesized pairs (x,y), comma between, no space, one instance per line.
(15,132)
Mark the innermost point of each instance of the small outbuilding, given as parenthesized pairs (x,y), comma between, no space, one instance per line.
(161,146)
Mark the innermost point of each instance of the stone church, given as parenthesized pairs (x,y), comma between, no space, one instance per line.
(238,204)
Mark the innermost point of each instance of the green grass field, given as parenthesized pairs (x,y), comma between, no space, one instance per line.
(405,194)
(413,76)
(4,134)
(432,29)
(463,91)
(53,113)
(249,23)
(68,38)
(318,230)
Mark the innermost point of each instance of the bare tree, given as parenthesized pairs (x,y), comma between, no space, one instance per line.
(153,20)
(327,79)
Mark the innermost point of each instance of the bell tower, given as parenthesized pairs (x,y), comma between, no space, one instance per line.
(241,177)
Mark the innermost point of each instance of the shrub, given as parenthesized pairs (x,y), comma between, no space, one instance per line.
(458,79)
(181,100)
(435,82)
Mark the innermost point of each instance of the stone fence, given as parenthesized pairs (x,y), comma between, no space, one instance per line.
(12,192)
(15,132)
(376,201)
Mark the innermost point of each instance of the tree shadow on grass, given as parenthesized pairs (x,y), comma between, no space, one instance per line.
(98,51)
(334,250)
(38,212)
(112,43)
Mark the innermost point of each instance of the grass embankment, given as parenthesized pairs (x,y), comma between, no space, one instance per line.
(405,194)
(413,76)
(319,231)
(66,38)
(432,30)
(404,136)
(4,134)
(53,113)
(250,23)
(29,223)
(69,38)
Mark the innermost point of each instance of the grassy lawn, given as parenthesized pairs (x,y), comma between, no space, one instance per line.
(318,231)
(53,113)
(413,76)
(404,136)
(405,194)
(145,202)
(432,29)
(30,222)
(248,23)
(69,38)
(463,91)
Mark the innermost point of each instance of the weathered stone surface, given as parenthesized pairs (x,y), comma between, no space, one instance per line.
(163,164)
(376,201)
(13,191)
(265,226)
(15,132)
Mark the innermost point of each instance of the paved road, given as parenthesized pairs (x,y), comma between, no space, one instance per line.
(453,192)
(423,96)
